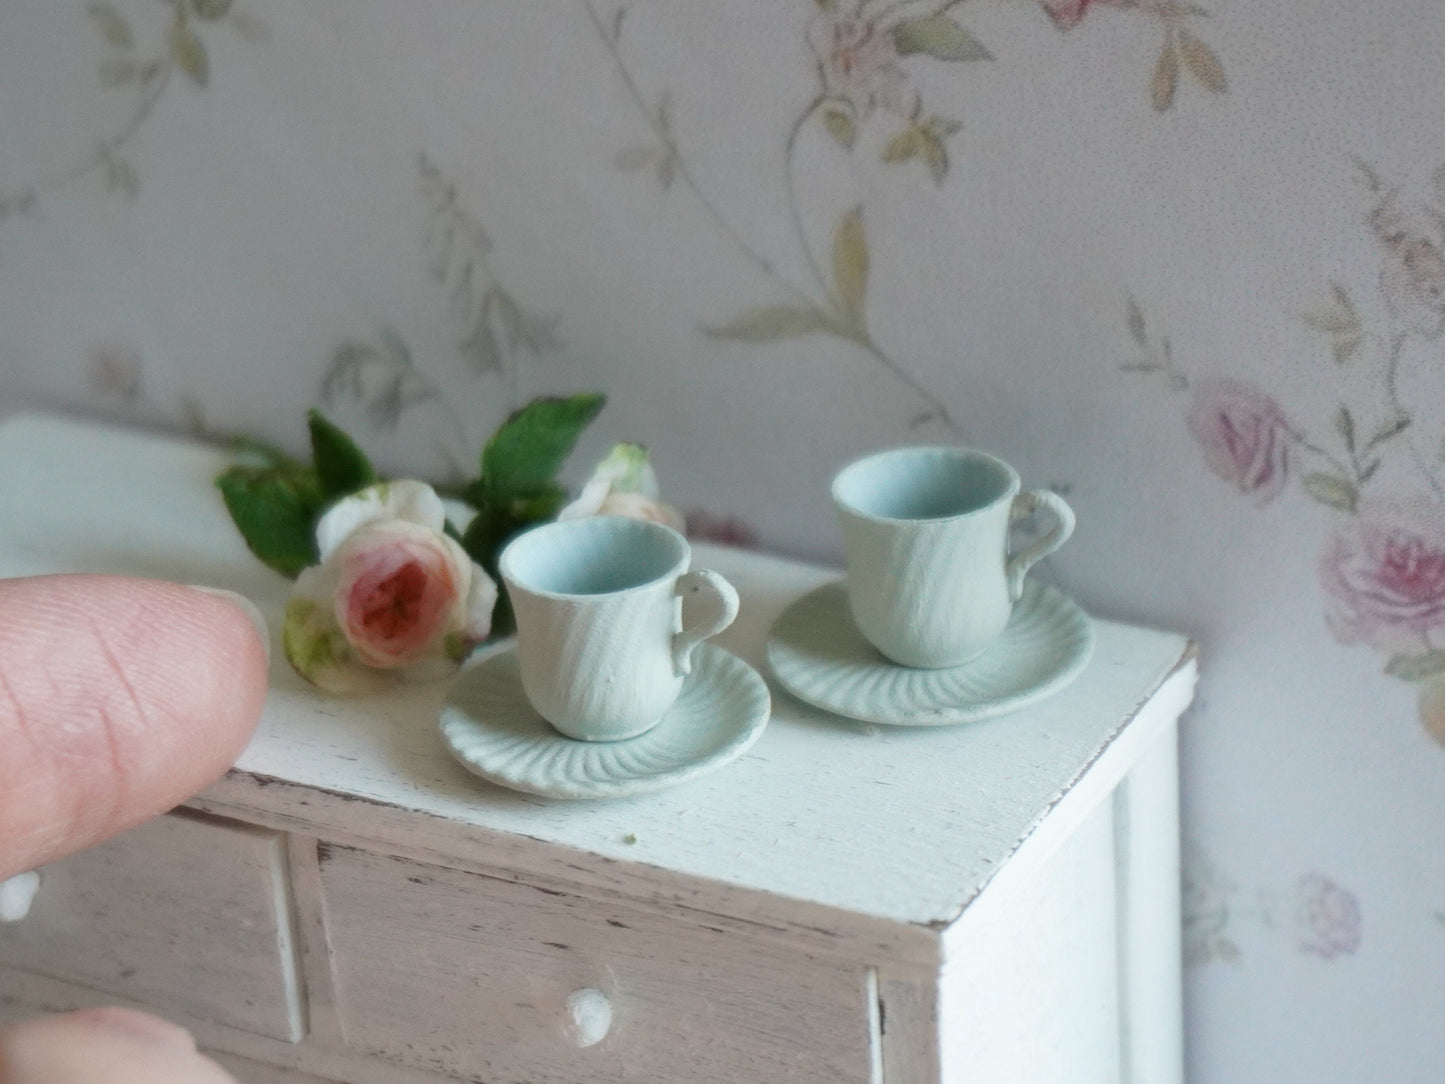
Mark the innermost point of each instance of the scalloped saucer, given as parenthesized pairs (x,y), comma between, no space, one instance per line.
(490,727)
(817,654)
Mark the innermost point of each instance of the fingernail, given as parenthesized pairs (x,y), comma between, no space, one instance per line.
(247,607)
(139,1025)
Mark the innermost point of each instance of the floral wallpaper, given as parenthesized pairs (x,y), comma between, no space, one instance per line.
(1381,566)
(1183,262)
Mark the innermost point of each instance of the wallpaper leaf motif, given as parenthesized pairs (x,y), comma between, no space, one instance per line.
(492,327)
(146,73)
(1382,567)
(864,54)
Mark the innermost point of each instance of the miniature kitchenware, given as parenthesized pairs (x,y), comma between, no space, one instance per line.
(832,540)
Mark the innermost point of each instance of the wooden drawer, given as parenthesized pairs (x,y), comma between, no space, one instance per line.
(471,976)
(183,912)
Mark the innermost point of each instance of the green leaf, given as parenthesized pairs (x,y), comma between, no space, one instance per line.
(850,265)
(905,145)
(112,25)
(938,36)
(1416,667)
(840,125)
(1166,78)
(275,509)
(1135,322)
(773,322)
(495,524)
(481,347)
(189,54)
(120,176)
(1201,63)
(1332,490)
(935,154)
(210,10)
(341,467)
(1345,423)
(1389,431)
(525,454)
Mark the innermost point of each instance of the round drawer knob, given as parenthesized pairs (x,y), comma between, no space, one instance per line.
(17,894)
(589,1015)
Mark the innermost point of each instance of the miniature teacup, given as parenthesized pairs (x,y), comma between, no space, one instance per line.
(600,640)
(931,583)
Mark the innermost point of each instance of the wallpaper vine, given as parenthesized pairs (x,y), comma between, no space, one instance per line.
(863,54)
(1334,433)
(146,71)
(1375,462)
(492,329)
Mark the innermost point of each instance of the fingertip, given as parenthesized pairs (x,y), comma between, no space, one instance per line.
(251,611)
(119,698)
(107,1045)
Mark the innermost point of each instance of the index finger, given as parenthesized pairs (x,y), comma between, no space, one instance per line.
(119,698)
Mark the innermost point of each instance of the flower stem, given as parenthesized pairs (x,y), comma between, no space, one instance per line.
(683,170)
(937,409)
(1392,389)
(795,212)
(1298,437)
(104,151)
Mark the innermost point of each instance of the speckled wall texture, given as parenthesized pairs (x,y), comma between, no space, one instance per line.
(1184,263)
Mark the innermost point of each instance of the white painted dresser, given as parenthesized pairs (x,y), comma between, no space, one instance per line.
(994,903)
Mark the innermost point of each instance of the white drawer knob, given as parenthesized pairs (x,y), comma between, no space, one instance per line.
(17,894)
(589,1015)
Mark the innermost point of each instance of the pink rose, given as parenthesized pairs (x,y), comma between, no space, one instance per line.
(859,62)
(624,484)
(1067,13)
(1327,917)
(393,597)
(1244,436)
(1384,575)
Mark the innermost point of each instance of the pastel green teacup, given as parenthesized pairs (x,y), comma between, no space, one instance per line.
(600,641)
(931,583)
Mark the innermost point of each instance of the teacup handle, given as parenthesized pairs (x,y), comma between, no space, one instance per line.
(1025,505)
(700,581)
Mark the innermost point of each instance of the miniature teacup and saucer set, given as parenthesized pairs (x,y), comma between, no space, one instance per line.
(608,694)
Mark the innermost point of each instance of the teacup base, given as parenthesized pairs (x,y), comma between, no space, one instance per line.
(490,727)
(915,662)
(818,655)
(612,734)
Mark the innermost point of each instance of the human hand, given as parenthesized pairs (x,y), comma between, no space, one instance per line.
(119,699)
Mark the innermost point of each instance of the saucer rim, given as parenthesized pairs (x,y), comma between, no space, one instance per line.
(945,715)
(451,717)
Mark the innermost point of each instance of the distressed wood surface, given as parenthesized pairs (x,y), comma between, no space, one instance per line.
(905,826)
(179,913)
(469,976)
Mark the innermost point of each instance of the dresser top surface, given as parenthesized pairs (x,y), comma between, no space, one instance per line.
(902,824)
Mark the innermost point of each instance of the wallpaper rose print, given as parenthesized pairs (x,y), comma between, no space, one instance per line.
(1376,461)
(865,53)
(1314,915)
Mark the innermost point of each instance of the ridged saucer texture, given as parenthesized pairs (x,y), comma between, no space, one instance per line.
(490,727)
(817,654)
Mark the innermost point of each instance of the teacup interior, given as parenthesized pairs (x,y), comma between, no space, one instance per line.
(922,483)
(593,556)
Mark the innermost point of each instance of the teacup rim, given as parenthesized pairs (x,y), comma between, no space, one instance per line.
(678,567)
(1013,482)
